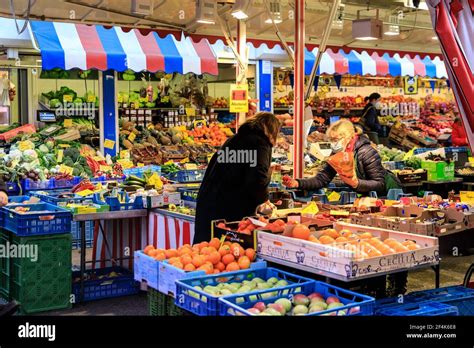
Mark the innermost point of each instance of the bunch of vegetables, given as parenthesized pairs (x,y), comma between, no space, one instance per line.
(388,154)
(56,97)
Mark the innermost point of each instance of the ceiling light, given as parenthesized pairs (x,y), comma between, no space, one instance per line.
(393,27)
(367,28)
(338,22)
(206,11)
(275,13)
(239,10)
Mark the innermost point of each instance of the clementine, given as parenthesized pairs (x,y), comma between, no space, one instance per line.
(232,266)
(244,262)
(215,243)
(250,253)
(301,231)
(228,258)
(189,267)
(220,266)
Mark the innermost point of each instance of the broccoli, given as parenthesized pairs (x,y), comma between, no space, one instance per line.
(73,153)
(68,162)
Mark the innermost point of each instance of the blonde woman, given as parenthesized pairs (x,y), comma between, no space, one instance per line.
(369,174)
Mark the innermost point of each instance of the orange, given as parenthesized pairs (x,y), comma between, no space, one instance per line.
(189,267)
(216,271)
(220,266)
(198,260)
(214,257)
(233,266)
(227,243)
(385,250)
(326,239)
(183,251)
(160,257)
(314,239)
(205,251)
(331,233)
(226,259)
(237,250)
(250,253)
(178,264)
(244,262)
(413,246)
(224,250)
(301,231)
(399,248)
(345,233)
(186,259)
(203,245)
(187,246)
(195,248)
(408,242)
(171,253)
(365,235)
(148,248)
(173,259)
(153,252)
(215,243)
(341,240)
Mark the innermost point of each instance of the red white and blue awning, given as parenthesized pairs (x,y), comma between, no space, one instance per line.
(354,63)
(69,45)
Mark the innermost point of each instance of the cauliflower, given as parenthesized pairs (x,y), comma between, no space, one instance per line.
(29,155)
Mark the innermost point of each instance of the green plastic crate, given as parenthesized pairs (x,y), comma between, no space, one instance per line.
(4,270)
(157,303)
(44,284)
(438,171)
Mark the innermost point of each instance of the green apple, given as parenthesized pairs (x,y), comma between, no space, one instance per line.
(258,280)
(243,289)
(300,309)
(263,286)
(317,307)
(272,311)
(226,292)
(281,283)
(272,280)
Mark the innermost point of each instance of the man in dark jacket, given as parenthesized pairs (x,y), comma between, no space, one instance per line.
(369,172)
(370,118)
(237,176)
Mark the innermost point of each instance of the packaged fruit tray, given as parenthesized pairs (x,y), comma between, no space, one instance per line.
(168,275)
(36,219)
(310,299)
(201,295)
(350,251)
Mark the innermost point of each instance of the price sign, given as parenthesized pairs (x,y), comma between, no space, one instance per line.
(60,155)
(190,112)
(140,165)
(65,169)
(124,154)
(190,166)
(132,137)
(67,98)
(109,144)
(239,98)
(334,196)
(105,168)
(467,197)
(68,123)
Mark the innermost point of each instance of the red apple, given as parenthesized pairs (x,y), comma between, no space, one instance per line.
(260,306)
(332,299)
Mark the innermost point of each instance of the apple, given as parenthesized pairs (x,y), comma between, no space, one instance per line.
(278,307)
(319,302)
(315,295)
(317,307)
(260,306)
(335,305)
(281,283)
(263,286)
(332,299)
(253,311)
(272,281)
(300,310)
(243,289)
(258,280)
(272,311)
(300,299)
(285,303)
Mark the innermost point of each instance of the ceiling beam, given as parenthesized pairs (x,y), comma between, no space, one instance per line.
(156,7)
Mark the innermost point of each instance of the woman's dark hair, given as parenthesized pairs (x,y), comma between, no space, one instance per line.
(457,120)
(372,97)
(366,99)
(267,122)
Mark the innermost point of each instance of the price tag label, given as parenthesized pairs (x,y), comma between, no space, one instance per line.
(190,112)
(64,146)
(109,144)
(125,163)
(190,166)
(65,169)
(85,193)
(124,154)
(67,98)
(98,158)
(68,122)
(132,137)
(466,197)
(105,168)
(140,165)
(334,196)
(91,98)
(60,155)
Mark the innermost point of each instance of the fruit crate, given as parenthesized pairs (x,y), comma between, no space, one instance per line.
(427,309)
(413,177)
(13,188)
(12,200)
(116,205)
(185,176)
(30,185)
(204,304)
(41,218)
(157,303)
(457,296)
(101,285)
(168,275)
(342,264)
(353,303)
(189,195)
(146,269)
(66,183)
(140,171)
(58,197)
(42,282)
(76,234)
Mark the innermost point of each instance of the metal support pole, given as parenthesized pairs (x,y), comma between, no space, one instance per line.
(298,134)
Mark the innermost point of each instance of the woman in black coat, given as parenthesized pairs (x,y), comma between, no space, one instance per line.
(369,174)
(236,180)
(370,119)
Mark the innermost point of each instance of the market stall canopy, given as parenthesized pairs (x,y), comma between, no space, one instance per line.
(9,36)
(68,45)
(354,63)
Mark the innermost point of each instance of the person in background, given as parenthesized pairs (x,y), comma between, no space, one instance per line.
(458,135)
(370,119)
(369,173)
(3,194)
(230,190)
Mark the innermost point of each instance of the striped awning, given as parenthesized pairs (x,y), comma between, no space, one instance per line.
(353,63)
(69,45)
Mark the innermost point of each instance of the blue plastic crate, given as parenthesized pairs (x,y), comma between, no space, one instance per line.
(76,234)
(104,178)
(140,171)
(146,269)
(65,183)
(458,296)
(30,185)
(168,275)
(184,176)
(58,197)
(391,302)
(204,304)
(13,188)
(189,195)
(106,287)
(115,204)
(18,199)
(42,218)
(428,309)
(358,303)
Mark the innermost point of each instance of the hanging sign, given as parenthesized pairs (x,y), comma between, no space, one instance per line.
(410,85)
(239,98)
